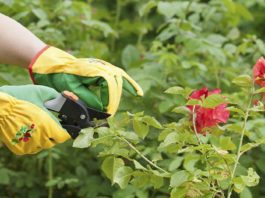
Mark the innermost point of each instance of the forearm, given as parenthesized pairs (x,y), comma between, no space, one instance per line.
(17,44)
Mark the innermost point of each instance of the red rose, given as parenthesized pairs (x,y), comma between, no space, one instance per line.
(259,72)
(208,117)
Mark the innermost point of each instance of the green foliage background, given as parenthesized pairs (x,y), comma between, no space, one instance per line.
(161,44)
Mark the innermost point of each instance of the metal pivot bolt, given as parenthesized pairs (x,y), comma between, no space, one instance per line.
(64,117)
(82,116)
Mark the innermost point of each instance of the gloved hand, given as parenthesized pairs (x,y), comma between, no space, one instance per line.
(57,69)
(26,126)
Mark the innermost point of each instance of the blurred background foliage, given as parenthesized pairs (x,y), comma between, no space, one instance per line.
(161,44)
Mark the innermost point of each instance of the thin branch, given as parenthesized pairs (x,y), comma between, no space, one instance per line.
(139,153)
(240,144)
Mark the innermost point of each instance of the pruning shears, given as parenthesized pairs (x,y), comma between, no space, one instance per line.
(74,115)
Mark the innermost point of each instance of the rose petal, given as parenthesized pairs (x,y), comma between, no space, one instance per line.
(199,93)
(208,117)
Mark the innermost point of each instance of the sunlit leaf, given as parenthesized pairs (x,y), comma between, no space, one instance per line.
(243,81)
(213,101)
(140,128)
(179,178)
(84,138)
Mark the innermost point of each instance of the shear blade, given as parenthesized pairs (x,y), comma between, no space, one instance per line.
(97,114)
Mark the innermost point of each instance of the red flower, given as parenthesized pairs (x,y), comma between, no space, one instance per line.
(259,72)
(203,93)
(208,117)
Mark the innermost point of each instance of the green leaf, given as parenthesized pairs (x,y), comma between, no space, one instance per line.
(190,160)
(122,176)
(130,54)
(237,110)
(156,181)
(213,101)
(194,102)
(39,13)
(261,90)
(166,8)
(140,128)
(182,110)
(179,192)
(230,5)
(227,144)
(151,121)
(248,146)
(145,9)
(53,182)
(101,26)
(140,179)
(110,167)
(239,184)
(244,12)
(175,163)
(243,81)
(252,179)
(246,193)
(174,90)
(171,138)
(261,46)
(138,165)
(169,9)
(233,34)
(84,138)
(179,91)
(234,127)
(179,178)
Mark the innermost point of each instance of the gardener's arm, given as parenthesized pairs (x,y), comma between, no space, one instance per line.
(60,70)
(17,44)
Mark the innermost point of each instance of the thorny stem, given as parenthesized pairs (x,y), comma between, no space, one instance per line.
(230,189)
(139,153)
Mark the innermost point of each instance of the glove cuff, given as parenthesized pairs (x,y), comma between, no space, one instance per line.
(7,104)
(33,61)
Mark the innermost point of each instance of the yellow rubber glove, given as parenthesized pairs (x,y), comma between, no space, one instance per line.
(26,127)
(57,69)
